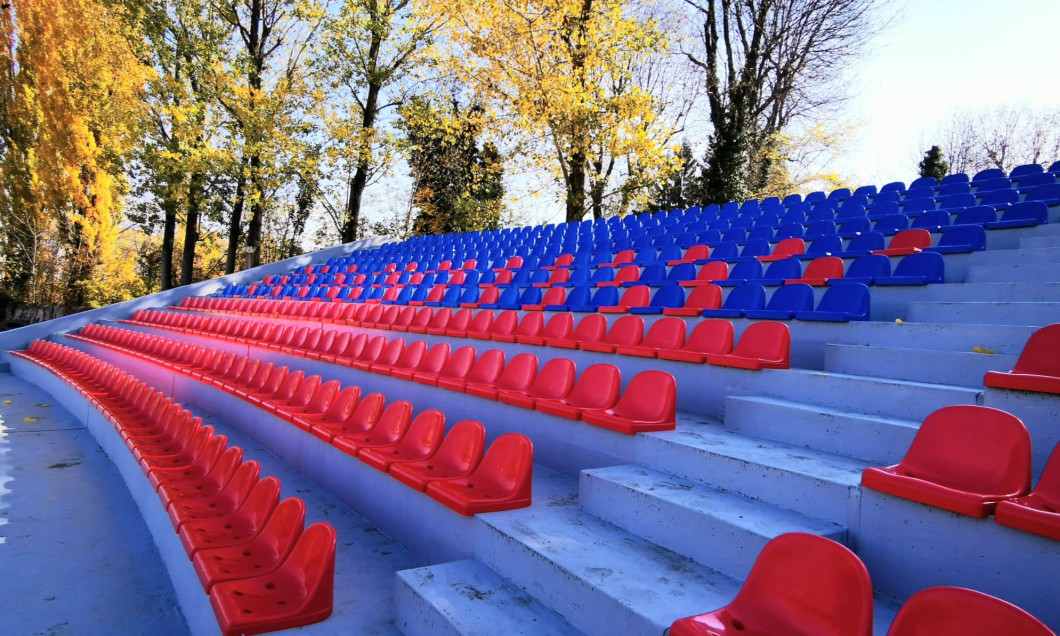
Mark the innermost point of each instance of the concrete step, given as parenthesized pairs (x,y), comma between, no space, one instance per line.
(781,474)
(959,368)
(716,528)
(1046,254)
(1034,314)
(1014,272)
(466,598)
(1035,242)
(1004,339)
(992,292)
(885,397)
(868,438)
(600,578)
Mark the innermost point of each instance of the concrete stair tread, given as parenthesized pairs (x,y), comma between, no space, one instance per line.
(715,440)
(643,578)
(469,599)
(737,510)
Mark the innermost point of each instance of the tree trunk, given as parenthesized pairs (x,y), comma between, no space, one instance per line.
(576,187)
(191,226)
(257,210)
(235,224)
(169,230)
(360,177)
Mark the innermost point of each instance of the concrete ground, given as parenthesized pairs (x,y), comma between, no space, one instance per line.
(75,555)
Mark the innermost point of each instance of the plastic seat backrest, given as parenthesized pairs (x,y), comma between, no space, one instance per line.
(627,330)
(746,296)
(458,364)
(597,388)
(797,297)
(824,267)
(971,448)
(956,611)
(711,336)
(766,340)
(591,328)
(651,396)
(1041,354)
(802,580)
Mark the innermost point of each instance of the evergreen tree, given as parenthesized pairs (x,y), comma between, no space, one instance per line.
(457,185)
(682,189)
(934,164)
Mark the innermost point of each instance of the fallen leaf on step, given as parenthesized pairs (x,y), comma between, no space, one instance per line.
(45,405)
(29,420)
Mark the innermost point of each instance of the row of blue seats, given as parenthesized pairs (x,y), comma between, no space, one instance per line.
(1023,214)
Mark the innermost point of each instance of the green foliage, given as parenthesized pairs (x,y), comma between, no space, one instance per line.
(683,187)
(457,185)
(934,164)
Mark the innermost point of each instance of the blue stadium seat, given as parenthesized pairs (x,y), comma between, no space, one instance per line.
(1000,198)
(1025,214)
(740,299)
(785,302)
(742,272)
(1034,180)
(670,296)
(853,227)
(979,215)
(957,177)
(841,304)
(510,296)
(1026,169)
(960,238)
(923,182)
(932,221)
(953,189)
(864,244)
(891,224)
(989,173)
(865,270)
(822,246)
(820,228)
(780,271)
(1047,194)
(916,269)
(989,185)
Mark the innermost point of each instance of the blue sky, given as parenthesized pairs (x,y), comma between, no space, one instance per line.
(943,55)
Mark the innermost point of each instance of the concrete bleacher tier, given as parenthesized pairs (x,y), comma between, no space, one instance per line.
(844,405)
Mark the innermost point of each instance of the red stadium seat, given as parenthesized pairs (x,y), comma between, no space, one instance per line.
(502,481)
(1038,367)
(517,375)
(387,431)
(706,296)
(665,334)
(591,328)
(800,585)
(955,611)
(555,380)
(649,403)
(1039,511)
(300,592)
(458,456)
(763,345)
(964,459)
(421,441)
(626,331)
(597,388)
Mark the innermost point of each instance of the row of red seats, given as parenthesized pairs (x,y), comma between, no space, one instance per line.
(454,469)
(262,570)
(976,461)
(764,345)
(649,403)
(807,584)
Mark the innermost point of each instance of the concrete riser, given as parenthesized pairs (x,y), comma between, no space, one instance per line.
(917,365)
(908,546)
(874,440)
(888,398)
(1014,272)
(712,527)
(986,313)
